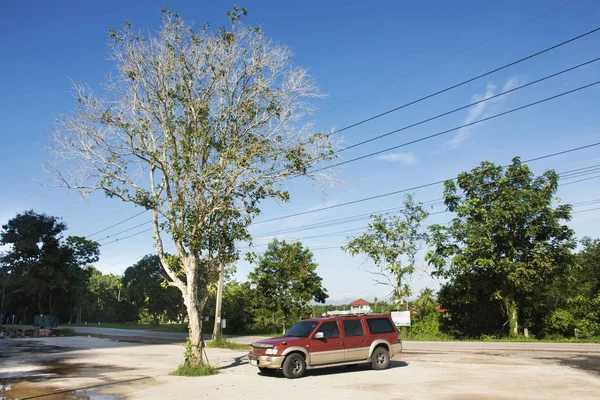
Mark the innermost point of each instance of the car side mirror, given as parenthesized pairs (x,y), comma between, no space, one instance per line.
(319,335)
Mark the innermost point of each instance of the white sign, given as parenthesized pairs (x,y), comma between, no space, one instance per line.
(223,323)
(401,318)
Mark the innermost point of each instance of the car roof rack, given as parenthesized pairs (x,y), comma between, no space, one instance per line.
(337,314)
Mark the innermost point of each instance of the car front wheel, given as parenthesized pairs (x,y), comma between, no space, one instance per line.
(380,358)
(294,366)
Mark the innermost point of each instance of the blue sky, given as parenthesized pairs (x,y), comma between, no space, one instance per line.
(364,58)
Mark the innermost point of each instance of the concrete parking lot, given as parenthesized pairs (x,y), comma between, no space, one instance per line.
(92,368)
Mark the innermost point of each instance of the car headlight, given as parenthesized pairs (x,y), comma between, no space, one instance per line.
(271,352)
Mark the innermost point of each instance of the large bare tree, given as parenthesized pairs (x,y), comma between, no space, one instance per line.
(196,126)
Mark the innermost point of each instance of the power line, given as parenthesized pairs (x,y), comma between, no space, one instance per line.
(579,204)
(452,55)
(456,128)
(421,99)
(467,106)
(582,211)
(117,224)
(582,180)
(416,187)
(334,234)
(466,81)
(346,219)
(429,203)
(360,217)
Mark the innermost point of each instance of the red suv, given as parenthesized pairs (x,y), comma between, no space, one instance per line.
(326,342)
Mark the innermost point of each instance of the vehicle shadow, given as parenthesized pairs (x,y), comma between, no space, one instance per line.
(344,369)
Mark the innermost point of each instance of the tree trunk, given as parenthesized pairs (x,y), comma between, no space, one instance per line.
(194,302)
(217,327)
(512,314)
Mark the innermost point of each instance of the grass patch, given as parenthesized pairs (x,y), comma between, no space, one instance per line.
(222,343)
(503,339)
(64,332)
(192,370)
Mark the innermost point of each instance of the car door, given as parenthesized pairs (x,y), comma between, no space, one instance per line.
(330,348)
(355,340)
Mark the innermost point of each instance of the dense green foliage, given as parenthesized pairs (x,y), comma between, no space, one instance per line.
(41,271)
(506,235)
(286,282)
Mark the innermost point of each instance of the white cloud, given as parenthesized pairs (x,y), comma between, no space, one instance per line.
(480,111)
(405,158)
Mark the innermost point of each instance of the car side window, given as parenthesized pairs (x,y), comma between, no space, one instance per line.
(330,330)
(380,325)
(353,327)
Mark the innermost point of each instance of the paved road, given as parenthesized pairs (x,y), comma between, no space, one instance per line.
(409,346)
(141,335)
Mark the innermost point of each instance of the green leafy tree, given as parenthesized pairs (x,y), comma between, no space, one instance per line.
(426,302)
(146,287)
(390,239)
(196,126)
(473,310)
(506,230)
(41,268)
(286,280)
(105,296)
(571,300)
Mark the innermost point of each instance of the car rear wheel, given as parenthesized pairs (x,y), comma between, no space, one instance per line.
(294,366)
(380,358)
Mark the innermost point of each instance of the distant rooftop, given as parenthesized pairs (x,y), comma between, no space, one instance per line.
(360,302)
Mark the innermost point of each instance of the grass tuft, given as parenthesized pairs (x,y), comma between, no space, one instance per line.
(222,343)
(195,370)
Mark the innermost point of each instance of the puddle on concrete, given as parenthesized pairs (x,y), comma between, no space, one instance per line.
(26,391)
(36,366)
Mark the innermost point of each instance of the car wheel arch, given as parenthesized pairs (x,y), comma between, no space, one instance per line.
(379,343)
(293,350)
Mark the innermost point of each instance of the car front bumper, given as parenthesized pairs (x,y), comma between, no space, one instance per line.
(273,362)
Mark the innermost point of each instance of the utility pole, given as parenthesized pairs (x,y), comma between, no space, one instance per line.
(217,327)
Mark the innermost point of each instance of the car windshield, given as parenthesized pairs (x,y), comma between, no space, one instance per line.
(302,329)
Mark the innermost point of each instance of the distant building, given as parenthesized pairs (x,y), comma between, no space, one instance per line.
(360,306)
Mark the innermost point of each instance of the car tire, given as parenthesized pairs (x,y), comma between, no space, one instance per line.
(380,359)
(294,366)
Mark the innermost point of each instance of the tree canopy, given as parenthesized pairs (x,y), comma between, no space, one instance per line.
(197,126)
(506,232)
(392,243)
(40,265)
(286,280)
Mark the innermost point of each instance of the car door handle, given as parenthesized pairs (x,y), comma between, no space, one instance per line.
(338,342)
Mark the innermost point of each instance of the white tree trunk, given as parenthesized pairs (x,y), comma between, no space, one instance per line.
(194,302)
(217,327)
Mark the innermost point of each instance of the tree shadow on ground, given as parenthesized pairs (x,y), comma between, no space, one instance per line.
(236,362)
(585,362)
